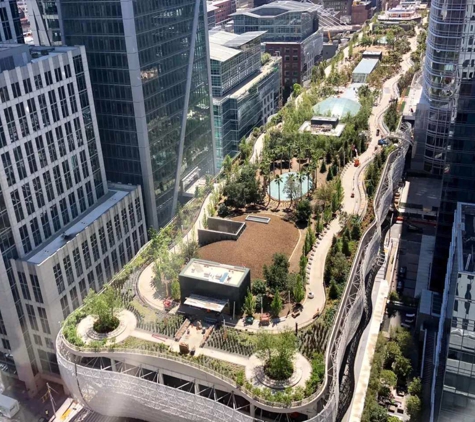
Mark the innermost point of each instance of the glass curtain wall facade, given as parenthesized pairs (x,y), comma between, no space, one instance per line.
(149,65)
(45,21)
(454,389)
(449,91)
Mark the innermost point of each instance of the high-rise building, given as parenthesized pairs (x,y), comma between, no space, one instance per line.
(245,92)
(454,378)
(291,31)
(149,66)
(10,28)
(63,229)
(446,115)
(45,22)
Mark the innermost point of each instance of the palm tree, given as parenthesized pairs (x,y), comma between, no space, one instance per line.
(300,177)
(278,179)
(306,173)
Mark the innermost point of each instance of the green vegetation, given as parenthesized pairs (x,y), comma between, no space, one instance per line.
(104,307)
(374,171)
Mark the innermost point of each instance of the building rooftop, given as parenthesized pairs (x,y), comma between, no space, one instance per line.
(231,40)
(337,107)
(366,66)
(278,8)
(45,250)
(215,272)
(221,53)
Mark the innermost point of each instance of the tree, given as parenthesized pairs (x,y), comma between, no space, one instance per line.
(413,407)
(259,287)
(323,167)
(303,211)
(356,230)
(277,274)
(415,387)
(276,305)
(249,304)
(277,352)
(278,180)
(388,378)
(298,291)
(223,211)
(402,368)
(189,250)
(350,50)
(227,165)
(297,90)
(404,339)
(104,306)
(345,246)
(175,290)
(393,351)
(334,291)
(265,58)
(291,188)
(373,412)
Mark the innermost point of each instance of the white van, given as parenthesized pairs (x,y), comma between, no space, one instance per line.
(8,407)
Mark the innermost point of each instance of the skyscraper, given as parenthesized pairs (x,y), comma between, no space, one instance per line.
(63,229)
(10,28)
(150,72)
(454,381)
(445,125)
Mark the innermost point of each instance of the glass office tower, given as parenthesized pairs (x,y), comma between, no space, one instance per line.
(447,150)
(149,66)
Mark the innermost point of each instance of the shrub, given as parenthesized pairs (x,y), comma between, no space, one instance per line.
(223,211)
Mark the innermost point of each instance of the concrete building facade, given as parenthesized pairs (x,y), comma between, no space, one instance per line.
(56,207)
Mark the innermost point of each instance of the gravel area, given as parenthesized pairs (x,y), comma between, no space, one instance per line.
(256,246)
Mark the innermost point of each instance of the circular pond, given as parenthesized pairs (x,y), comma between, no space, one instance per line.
(283,186)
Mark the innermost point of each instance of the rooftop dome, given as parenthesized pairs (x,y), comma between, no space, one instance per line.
(336,107)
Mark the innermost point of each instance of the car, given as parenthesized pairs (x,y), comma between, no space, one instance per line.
(382,141)
(402,271)
(352,194)
(311,295)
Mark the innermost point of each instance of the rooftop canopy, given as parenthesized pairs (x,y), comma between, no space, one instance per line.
(336,107)
(208,303)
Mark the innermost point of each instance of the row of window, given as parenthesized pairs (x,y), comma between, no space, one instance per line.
(105,238)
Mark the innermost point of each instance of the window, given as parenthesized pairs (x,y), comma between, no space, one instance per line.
(25,239)
(55,218)
(107,266)
(20,109)
(110,234)
(44,110)
(68,270)
(72,98)
(17,207)
(58,180)
(44,320)
(63,101)
(122,260)
(67,71)
(53,105)
(32,317)
(48,361)
(85,252)
(53,156)
(40,147)
(45,225)
(85,169)
(40,199)
(82,289)
(64,211)
(60,140)
(49,343)
(67,175)
(90,197)
(58,276)
(38,340)
(4,96)
(58,75)
(118,228)
(77,129)
(95,248)
(142,235)
(138,210)
(76,172)
(35,230)
(36,288)
(77,262)
(30,156)
(78,67)
(73,206)
(81,198)
(48,186)
(128,245)
(6,344)
(125,222)
(102,239)
(25,291)
(16,89)
(7,166)
(135,240)
(38,82)
(74,297)
(115,262)
(30,207)
(69,136)
(20,164)
(48,78)
(90,280)
(65,306)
